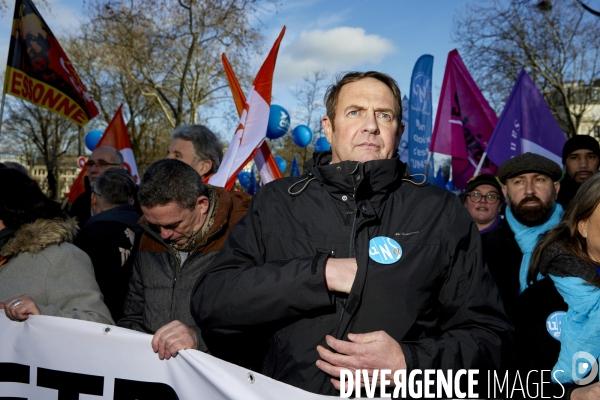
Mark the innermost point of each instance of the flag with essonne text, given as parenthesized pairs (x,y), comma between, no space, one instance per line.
(39,71)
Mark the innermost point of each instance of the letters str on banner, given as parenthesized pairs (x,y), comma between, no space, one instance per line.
(39,71)
(45,357)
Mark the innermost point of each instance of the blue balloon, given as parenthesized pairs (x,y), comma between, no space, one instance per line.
(92,138)
(281,163)
(279,122)
(322,144)
(244,179)
(302,135)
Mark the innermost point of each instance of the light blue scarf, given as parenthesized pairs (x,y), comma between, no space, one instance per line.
(527,238)
(580,328)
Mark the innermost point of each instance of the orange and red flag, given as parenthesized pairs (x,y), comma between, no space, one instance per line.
(115,136)
(39,71)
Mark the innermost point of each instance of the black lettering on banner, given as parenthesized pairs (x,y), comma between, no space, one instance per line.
(16,373)
(70,384)
(132,390)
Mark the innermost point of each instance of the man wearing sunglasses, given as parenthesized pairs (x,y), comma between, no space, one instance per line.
(483,199)
(101,159)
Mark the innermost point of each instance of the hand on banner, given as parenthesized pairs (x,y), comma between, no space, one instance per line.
(587,392)
(340,274)
(20,308)
(171,338)
(373,350)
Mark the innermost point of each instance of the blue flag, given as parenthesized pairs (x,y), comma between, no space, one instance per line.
(295,170)
(526,125)
(419,116)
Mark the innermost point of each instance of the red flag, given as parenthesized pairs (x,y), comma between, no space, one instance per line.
(115,136)
(40,72)
(264,160)
(252,130)
(464,122)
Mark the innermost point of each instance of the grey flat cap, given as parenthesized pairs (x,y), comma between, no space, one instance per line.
(529,162)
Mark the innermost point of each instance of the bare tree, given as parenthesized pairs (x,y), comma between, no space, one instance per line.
(170,50)
(309,96)
(559,47)
(38,131)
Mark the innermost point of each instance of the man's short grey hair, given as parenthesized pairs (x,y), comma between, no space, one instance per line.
(17,166)
(206,144)
(168,181)
(115,187)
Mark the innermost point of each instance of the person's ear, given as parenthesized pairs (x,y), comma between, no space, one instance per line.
(401,128)
(556,188)
(203,203)
(203,167)
(504,190)
(582,227)
(327,128)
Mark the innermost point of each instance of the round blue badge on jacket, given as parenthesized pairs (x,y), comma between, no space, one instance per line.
(384,250)
(553,323)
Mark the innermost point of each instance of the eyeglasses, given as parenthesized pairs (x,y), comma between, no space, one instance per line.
(99,164)
(490,198)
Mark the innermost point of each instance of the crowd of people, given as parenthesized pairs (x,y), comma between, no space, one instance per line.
(357,264)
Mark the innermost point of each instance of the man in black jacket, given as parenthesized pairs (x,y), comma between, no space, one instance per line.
(355,265)
(111,235)
(581,158)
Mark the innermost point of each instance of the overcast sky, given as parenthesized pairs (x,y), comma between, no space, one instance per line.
(331,35)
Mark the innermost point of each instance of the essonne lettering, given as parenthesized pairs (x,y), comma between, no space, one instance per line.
(43,95)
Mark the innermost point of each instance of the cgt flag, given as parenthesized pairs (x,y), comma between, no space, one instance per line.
(526,125)
(464,122)
(249,137)
(263,158)
(40,72)
(115,136)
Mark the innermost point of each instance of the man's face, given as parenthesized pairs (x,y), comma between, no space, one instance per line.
(581,164)
(483,212)
(531,197)
(175,223)
(183,150)
(366,123)
(102,158)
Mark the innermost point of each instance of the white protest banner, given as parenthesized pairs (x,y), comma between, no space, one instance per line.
(51,357)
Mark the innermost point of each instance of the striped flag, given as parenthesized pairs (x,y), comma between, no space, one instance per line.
(115,136)
(249,138)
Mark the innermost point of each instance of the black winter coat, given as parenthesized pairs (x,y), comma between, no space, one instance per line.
(111,239)
(502,255)
(437,300)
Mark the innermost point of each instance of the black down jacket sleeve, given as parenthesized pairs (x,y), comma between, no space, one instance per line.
(242,291)
(473,329)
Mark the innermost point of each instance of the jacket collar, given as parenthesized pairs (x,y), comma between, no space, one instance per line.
(35,236)
(372,180)
(124,213)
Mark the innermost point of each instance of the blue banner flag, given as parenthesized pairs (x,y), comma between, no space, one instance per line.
(526,125)
(419,115)
(403,146)
(295,170)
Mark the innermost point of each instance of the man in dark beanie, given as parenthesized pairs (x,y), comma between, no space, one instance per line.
(530,184)
(581,158)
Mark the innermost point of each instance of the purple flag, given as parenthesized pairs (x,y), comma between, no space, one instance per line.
(526,125)
(464,122)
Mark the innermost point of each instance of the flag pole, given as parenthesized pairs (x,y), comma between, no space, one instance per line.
(427,164)
(2,111)
(480,164)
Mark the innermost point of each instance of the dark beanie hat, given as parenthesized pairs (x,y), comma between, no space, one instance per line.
(580,142)
(529,162)
(483,179)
